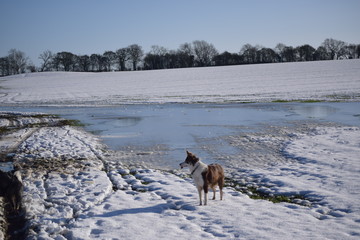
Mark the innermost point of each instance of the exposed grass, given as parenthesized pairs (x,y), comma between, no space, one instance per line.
(282,101)
(71,122)
(57,123)
(297,100)
(311,101)
(141,190)
(4,130)
(255,193)
(41,116)
(145,182)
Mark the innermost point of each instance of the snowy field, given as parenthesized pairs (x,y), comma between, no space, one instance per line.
(324,80)
(298,181)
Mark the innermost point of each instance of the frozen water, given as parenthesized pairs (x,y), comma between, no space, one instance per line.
(172,128)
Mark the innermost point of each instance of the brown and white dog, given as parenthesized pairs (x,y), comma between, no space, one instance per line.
(204,176)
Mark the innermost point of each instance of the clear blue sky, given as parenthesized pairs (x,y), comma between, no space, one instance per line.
(89,26)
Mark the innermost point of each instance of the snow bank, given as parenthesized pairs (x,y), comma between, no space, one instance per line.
(266,82)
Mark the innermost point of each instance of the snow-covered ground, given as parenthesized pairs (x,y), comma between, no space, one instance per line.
(75,188)
(266,82)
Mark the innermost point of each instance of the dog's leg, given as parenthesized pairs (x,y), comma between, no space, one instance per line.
(221,185)
(221,192)
(200,191)
(214,191)
(206,190)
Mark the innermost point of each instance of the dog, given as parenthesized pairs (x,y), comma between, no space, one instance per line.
(11,187)
(204,176)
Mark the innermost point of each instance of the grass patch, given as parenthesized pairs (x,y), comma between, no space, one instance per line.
(297,100)
(145,183)
(71,122)
(141,190)
(311,101)
(55,121)
(4,130)
(282,101)
(257,194)
(41,116)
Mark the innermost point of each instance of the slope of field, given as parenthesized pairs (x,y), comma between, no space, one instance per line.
(325,80)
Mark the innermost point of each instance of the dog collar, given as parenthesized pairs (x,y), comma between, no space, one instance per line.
(195,169)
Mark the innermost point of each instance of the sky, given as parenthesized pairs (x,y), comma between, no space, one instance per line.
(90,26)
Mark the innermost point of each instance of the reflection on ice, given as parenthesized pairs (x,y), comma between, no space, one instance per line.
(315,111)
(120,121)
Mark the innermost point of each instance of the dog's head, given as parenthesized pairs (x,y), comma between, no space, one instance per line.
(191,159)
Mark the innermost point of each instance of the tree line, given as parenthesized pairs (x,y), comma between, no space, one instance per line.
(195,54)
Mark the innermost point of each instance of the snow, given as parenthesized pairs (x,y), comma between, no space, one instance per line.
(75,188)
(58,143)
(332,155)
(324,80)
(96,196)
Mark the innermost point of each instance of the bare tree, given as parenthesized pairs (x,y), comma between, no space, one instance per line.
(204,53)
(267,55)
(84,63)
(161,54)
(321,54)
(227,58)
(66,60)
(122,55)
(46,57)
(109,59)
(357,51)
(186,55)
(31,67)
(135,55)
(94,62)
(306,52)
(18,61)
(98,63)
(4,66)
(351,51)
(249,53)
(335,48)
(289,54)
(279,49)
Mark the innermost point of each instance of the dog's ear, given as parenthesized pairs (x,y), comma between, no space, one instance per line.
(188,153)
